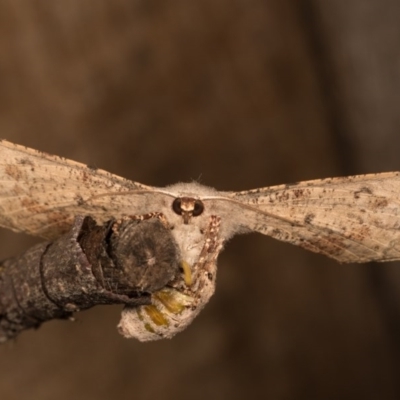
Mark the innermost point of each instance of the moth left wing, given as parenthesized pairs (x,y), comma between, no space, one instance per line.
(351,219)
(40,194)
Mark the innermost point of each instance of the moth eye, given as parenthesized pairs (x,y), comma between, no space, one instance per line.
(198,208)
(176,206)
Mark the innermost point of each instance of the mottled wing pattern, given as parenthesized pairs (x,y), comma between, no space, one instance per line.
(40,194)
(351,219)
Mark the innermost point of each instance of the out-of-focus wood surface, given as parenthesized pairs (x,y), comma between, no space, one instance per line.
(236,94)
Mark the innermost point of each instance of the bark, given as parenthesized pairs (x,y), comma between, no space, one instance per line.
(117,263)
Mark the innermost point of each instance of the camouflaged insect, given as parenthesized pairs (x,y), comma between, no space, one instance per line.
(351,219)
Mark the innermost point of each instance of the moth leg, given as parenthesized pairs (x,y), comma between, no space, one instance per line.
(160,216)
(213,244)
(115,224)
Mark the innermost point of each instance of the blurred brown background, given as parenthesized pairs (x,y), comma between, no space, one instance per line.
(237,94)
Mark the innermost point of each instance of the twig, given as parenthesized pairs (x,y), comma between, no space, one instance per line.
(117,263)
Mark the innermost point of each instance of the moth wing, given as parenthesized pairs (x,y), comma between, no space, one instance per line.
(351,219)
(40,194)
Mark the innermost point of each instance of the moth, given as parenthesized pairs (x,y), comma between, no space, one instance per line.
(350,219)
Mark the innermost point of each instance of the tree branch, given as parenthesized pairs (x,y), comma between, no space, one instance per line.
(117,263)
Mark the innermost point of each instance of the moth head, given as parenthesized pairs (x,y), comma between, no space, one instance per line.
(187,207)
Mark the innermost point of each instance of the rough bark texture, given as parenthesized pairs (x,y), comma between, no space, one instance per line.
(239,94)
(89,266)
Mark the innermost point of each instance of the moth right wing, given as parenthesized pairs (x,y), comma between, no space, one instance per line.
(351,219)
(40,194)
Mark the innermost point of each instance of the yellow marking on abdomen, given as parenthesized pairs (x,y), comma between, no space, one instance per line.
(187,273)
(156,315)
(170,301)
